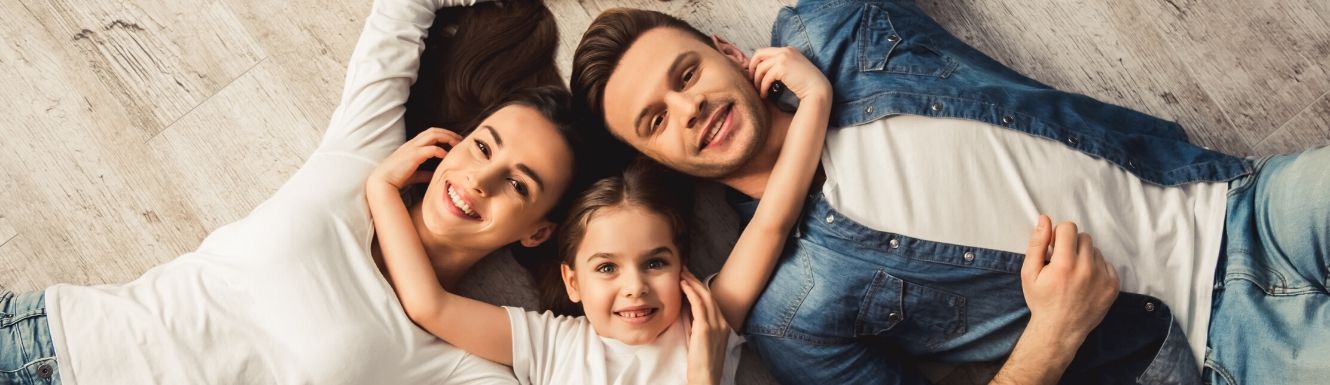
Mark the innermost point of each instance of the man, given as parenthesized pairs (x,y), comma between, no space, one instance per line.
(936,162)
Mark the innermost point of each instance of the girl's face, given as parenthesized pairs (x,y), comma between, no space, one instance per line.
(496,186)
(626,274)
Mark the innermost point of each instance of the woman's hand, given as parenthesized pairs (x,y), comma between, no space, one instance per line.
(790,67)
(709,336)
(401,168)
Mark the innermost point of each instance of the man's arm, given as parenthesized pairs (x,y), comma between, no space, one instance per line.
(1068,292)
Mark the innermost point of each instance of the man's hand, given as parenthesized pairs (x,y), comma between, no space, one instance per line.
(1071,288)
(1068,291)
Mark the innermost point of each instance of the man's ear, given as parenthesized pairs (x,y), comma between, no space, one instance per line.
(569,282)
(730,51)
(540,234)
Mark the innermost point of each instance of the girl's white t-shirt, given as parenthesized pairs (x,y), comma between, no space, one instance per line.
(290,294)
(550,349)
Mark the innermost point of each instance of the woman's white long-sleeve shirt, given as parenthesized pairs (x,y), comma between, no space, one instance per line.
(289,294)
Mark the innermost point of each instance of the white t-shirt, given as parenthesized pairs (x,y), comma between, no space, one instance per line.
(290,294)
(550,349)
(971,183)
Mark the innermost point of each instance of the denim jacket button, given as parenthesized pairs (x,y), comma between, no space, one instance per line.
(868,110)
(44,371)
(1150,306)
(893,317)
(969,256)
(936,106)
(1007,119)
(893,38)
(894,243)
(831,218)
(1071,140)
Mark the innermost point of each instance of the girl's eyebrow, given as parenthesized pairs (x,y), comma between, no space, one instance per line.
(658,251)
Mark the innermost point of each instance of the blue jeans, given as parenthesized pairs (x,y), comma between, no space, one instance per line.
(1271,322)
(27,356)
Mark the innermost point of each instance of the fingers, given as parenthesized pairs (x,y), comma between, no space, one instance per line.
(1064,245)
(1037,252)
(435,135)
(1085,251)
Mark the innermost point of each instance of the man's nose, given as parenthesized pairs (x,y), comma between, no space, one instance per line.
(686,108)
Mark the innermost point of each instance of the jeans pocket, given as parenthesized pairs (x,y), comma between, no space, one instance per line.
(894,307)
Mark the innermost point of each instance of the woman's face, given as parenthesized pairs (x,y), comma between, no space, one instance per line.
(626,275)
(496,186)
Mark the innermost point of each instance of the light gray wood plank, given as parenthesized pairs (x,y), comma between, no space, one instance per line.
(1107,50)
(159,59)
(1261,61)
(1308,129)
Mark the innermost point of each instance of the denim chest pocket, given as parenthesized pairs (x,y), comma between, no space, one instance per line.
(894,307)
(882,48)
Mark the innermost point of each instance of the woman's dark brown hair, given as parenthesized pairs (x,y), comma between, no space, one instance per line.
(643,184)
(476,55)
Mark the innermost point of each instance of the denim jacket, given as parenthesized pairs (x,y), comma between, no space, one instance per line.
(888,57)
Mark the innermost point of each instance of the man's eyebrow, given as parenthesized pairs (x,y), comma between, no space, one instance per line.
(674,67)
(531,173)
(497,140)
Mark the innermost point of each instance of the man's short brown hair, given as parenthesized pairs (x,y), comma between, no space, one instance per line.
(604,44)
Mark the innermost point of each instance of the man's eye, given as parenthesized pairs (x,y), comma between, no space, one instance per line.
(484,148)
(657,121)
(519,187)
(605,268)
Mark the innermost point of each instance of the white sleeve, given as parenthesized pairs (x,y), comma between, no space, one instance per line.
(545,346)
(369,119)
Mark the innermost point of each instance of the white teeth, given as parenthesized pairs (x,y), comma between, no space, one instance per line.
(457,200)
(634,314)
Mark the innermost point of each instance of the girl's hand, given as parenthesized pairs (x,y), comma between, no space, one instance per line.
(710,334)
(789,66)
(401,168)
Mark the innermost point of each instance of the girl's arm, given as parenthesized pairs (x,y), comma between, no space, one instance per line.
(746,271)
(477,327)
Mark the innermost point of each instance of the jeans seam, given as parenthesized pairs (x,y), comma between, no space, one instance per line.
(1220,370)
(25,367)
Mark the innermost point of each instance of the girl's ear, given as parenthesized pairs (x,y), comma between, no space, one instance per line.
(540,234)
(570,282)
(730,51)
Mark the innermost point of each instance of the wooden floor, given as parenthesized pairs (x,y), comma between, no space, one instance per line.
(134,127)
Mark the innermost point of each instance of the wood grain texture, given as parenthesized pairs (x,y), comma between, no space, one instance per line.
(135,127)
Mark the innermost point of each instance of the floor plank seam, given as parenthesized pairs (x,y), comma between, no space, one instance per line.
(1293,118)
(6,242)
(205,101)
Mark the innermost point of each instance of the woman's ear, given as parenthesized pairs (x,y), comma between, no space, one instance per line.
(570,282)
(730,51)
(540,234)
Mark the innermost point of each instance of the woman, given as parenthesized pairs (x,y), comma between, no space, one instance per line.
(291,293)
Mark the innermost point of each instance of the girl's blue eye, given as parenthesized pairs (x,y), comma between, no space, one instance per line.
(656,264)
(605,268)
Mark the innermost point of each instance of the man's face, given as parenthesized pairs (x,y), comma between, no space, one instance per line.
(686,104)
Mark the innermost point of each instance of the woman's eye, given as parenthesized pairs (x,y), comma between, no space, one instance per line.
(688,75)
(605,268)
(519,187)
(484,148)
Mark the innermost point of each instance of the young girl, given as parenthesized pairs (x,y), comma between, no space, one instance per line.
(622,260)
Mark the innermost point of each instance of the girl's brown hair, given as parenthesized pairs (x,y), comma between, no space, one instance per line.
(643,184)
